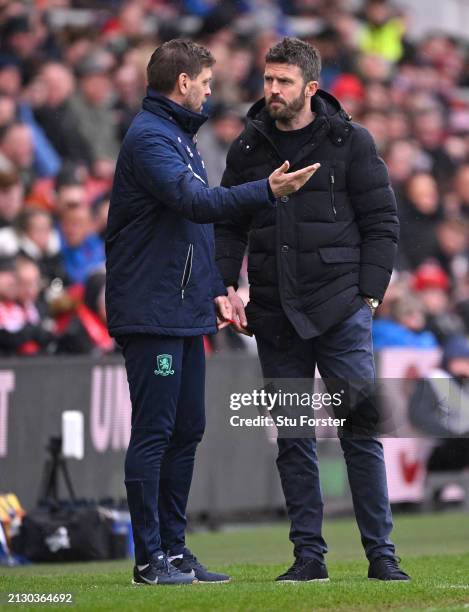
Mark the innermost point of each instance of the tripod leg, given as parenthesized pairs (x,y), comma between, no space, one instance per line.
(48,482)
(68,481)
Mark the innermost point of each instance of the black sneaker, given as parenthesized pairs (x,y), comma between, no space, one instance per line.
(305,570)
(189,563)
(161,571)
(386,568)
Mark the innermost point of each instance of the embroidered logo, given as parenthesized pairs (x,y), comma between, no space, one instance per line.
(164,363)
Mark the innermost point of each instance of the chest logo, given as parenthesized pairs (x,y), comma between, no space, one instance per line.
(163,365)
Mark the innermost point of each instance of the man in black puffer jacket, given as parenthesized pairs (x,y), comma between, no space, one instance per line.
(319,264)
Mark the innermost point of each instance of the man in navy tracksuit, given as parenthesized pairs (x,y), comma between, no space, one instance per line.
(163,292)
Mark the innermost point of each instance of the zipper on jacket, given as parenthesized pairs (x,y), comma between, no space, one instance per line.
(331,189)
(186,275)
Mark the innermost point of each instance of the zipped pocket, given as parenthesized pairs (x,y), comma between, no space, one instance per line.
(332,189)
(186,275)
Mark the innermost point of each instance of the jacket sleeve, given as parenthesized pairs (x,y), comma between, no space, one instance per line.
(231,236)
(160,169)
(375,209)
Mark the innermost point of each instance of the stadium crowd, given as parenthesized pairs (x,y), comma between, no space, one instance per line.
(72,76)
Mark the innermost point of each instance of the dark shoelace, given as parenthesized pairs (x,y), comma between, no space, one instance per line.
(392,563)
(169,567)
(296,567)
(192,559)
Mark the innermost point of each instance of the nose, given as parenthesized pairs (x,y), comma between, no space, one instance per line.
(275,89)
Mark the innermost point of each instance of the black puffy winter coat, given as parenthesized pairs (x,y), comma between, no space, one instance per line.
(319,250)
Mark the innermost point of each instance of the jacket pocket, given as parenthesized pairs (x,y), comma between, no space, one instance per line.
(186,274)
(340,254)
(332,190)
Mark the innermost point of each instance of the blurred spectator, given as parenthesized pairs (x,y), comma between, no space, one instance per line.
(383,30)
(215,138)
(92,105)
(46,160)
(452,243)
(439,407)
(420,210)
(54,113)
(81,323)
(429,127)
(21,329)
(29,288)
(432,284)
(129,92)
(406,327)
(11,195)
(16,145)
(81,249)
(70,193)
(349,90)
(33,236)
(403,158)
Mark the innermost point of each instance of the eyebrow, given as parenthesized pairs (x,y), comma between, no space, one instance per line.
(283,79)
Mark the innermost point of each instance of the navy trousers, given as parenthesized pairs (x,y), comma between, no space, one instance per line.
(167,386)
(342,353)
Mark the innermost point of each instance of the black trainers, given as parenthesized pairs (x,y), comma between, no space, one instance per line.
(161,571)
(189,563)
(305,570)
(386,568)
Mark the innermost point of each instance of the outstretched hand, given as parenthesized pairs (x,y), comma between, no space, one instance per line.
(283,184)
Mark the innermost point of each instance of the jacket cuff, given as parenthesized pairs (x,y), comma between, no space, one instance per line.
(271,193)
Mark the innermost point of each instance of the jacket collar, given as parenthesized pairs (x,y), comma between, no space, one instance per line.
(162,106)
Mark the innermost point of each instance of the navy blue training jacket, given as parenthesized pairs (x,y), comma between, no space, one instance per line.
(161,276)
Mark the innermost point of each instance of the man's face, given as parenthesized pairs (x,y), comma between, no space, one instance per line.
(76,226)
(284,91)
(198,90)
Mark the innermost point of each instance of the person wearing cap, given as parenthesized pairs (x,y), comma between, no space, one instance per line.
(432,284)
(318,266)
(164,292)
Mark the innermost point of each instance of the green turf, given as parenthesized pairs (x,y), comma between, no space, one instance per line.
(434,548)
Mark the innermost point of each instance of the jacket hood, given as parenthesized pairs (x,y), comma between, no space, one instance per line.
(322,103)
(162,106)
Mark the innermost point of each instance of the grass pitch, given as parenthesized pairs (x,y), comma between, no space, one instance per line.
(434,550)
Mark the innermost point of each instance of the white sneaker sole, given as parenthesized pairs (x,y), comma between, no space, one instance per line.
(139,584)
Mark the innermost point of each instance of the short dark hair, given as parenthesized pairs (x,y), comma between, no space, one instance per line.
(174,57)
(297,53)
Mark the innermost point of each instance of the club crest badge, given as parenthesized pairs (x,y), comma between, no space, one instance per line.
(163,364)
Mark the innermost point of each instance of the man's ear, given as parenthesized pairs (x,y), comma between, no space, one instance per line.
(183,83)
(311,88)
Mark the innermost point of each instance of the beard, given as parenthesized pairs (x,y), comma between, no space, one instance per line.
(286,111)
(193,103)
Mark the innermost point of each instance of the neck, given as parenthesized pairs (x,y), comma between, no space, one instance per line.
(299,121)
(175,98)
